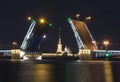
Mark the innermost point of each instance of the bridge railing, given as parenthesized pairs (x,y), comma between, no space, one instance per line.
(104,53)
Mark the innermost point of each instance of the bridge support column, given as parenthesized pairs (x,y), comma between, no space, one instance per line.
(85,54)
(15,53)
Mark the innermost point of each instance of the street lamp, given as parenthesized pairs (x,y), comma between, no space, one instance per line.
(106,43)
(93,44)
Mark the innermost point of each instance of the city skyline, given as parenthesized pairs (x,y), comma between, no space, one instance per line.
(103,25)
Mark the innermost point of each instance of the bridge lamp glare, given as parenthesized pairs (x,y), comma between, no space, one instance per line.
(14,43)
(93,42)
(106,43)
(29,18)
(44,36)
(88,18)
(77,16)
(42,20)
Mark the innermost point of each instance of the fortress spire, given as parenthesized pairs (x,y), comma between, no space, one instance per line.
(59,47)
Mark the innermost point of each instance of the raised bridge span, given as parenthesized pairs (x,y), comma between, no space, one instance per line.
(85,40)
(82,34)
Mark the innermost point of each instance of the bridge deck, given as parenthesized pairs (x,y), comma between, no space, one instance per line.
(84,34)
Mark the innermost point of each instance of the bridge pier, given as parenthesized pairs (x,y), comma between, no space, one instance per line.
(85,54)
(15,53)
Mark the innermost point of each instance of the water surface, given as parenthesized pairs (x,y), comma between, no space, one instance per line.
(59,71)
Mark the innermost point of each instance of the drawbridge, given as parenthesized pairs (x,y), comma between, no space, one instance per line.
(83,38)
(82,35)
(35,37)
(86,43)
(28,36)
(36,34)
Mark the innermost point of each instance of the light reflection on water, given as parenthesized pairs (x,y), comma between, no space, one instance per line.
(59,71)
(108,72)
(43,73)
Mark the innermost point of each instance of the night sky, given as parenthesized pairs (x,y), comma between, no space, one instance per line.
(105,22)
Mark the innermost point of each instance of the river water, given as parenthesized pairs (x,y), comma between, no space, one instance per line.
(59,71)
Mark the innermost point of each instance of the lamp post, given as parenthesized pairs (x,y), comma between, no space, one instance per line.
(106,43)
(93,44)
